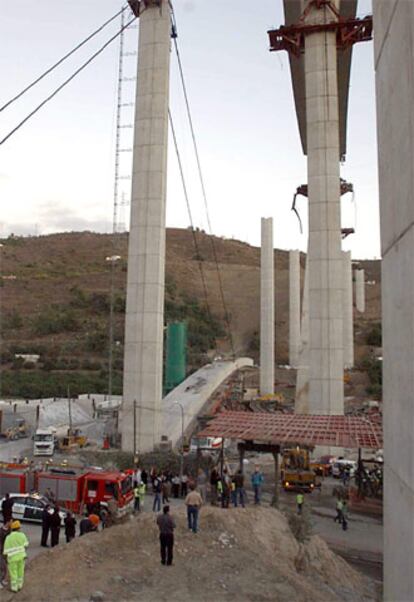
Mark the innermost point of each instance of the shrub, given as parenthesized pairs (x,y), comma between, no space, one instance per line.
(96,341)
(99,303)
(374,336)
(54,321)
(29,365)
(12,321)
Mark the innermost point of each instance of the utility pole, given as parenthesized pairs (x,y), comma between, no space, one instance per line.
(69,411)
(182,439)
(135,427)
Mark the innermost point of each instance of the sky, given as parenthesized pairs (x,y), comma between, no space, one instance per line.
(57,171)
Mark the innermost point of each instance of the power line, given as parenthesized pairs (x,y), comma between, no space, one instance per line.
(187,200)
(60,61)
(200,173)
(66,82)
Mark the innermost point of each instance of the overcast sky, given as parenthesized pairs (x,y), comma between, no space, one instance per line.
(56,173)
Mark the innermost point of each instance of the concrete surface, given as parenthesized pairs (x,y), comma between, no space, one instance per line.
(267,309)
(326,363)
(360,290)
(193,394)
(293,10)
(394,52)
(348,306)
(144,321)
(294,307)
(302,375)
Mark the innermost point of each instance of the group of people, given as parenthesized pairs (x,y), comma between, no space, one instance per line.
(166,523)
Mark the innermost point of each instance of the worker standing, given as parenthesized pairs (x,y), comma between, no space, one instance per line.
(339,506)
(46,522)
(193,502)
(70,527)
(202,484)
(257,482)
(15,551)
(166,525)
(157,486)
(299,502)
(55,527)
(239,488)
(4,531)
(344,515)
(141,495)
(7,508)
(136,497)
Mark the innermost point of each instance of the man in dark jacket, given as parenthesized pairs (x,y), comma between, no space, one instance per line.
(7,508)
(239,488)
(166,525)
(55,526)
(70,527)
(4,531)
(46,523)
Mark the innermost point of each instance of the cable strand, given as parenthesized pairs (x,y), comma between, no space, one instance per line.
(65,83)
(203,188)
(60,61)
(187,200)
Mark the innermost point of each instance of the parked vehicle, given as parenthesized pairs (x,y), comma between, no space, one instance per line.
(30,506)
(340,465)
(72,487)
(44,442)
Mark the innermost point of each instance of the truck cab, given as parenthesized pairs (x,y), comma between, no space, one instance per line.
(44,442)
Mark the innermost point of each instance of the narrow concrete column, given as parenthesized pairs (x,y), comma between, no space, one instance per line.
(348,311)
(394,51)
(302,375)
(146,254)
(360,290)
(294,307)
(326,394)
(267,310)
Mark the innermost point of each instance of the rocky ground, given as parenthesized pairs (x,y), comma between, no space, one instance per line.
(248,555)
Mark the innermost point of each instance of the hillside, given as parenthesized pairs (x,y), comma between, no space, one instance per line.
(55,302)
(248,555)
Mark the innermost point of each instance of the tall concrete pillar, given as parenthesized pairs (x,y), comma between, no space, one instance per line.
(348,311)
(146,254)
(394,51)
(326,394)
(302,375)
(294,307)
(360,290)
(267,310)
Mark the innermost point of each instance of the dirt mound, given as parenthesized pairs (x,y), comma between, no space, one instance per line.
(245,555)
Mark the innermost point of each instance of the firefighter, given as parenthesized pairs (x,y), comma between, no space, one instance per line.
(15,551)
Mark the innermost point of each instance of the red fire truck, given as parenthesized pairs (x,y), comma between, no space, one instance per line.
(72,487)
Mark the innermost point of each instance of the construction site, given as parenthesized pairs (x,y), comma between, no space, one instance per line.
(242,410)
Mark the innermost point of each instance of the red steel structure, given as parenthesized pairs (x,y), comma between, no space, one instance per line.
(296,429)
(348,31)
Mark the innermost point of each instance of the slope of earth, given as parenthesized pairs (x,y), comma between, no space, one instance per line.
(55,300)
(245,555)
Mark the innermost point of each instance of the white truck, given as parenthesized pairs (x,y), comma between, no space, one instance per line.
(44,442)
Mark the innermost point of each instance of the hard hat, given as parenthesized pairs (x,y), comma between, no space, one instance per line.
(15,525)
(94,518)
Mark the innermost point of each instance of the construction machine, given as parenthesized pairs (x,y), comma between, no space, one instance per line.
(73,440)
(296,472)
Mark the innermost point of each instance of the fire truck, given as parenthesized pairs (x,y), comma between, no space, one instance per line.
(73,487)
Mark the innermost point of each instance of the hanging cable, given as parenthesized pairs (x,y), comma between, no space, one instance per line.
(187,200)
(62,60)
(200,174)
(66,82)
